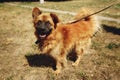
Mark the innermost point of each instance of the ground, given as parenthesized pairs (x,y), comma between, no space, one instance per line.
(20,58)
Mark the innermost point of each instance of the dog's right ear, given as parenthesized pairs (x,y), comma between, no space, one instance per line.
(36,12)
(55,19)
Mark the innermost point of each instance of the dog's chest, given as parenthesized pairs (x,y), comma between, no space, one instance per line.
(57,50)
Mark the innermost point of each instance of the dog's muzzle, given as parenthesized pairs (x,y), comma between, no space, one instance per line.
(43,33)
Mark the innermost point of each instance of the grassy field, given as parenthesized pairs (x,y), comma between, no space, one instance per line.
(20,58)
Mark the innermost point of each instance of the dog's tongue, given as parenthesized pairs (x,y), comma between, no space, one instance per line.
(42,36)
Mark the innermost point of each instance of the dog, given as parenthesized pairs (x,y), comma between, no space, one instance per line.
(44,24)
(70,36)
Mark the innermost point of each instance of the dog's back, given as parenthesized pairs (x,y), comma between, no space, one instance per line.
(82,30)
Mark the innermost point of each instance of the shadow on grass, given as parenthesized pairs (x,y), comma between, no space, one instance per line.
(39,60)
(111,29)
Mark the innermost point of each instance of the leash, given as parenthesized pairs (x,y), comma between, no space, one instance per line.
(94,13)
(37,41)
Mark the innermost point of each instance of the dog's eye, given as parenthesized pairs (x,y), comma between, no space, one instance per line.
(39,22)
(47,23)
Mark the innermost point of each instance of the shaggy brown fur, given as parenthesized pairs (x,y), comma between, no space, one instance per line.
(70,36)
(66,37)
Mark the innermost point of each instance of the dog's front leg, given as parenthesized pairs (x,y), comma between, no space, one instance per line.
(49,46)
(60,62)
(58,67)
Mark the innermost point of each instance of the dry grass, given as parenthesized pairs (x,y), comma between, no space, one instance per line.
(19,58)
(75,5)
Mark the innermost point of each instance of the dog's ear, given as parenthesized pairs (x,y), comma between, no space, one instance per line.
(55,19)
(36,12)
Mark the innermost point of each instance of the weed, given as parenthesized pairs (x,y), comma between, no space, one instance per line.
(9,78)
(21,78)
(1,5)
(28,54)
(117,6)
(83,75)
(34,46)
(112,45)
(95,45)
(51,76)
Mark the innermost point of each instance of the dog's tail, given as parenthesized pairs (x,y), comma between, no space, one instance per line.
(84,12)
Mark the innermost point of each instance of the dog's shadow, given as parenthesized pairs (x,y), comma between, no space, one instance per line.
(111,29)
(39,60)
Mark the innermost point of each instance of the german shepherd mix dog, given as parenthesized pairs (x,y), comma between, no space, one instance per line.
(44,24)
(66,37)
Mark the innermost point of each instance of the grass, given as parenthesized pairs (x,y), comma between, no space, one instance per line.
(9,78)
(95,45)
(76,5)
(83,75)
(17,41)
(106,1)
(118,6)
(113,45)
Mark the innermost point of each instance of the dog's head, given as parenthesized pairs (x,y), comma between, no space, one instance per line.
(44,23)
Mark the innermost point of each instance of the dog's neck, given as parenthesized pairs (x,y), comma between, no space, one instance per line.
(40,42)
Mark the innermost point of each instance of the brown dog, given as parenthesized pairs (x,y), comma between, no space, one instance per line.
(44,24)
(67,37)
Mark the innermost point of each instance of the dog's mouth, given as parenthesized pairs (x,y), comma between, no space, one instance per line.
(42,36)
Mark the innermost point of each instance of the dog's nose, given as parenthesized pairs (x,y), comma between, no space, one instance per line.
(42,29)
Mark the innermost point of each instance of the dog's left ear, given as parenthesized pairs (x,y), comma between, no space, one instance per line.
(55,19)
(36,12)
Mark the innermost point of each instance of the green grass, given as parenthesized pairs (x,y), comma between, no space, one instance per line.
(1,5)
(51,76)
(112,45)
(9,78)
(95,45)
(117,6)
(83,75)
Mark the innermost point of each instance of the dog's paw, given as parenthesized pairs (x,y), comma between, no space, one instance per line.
(56,72)
(75,64)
